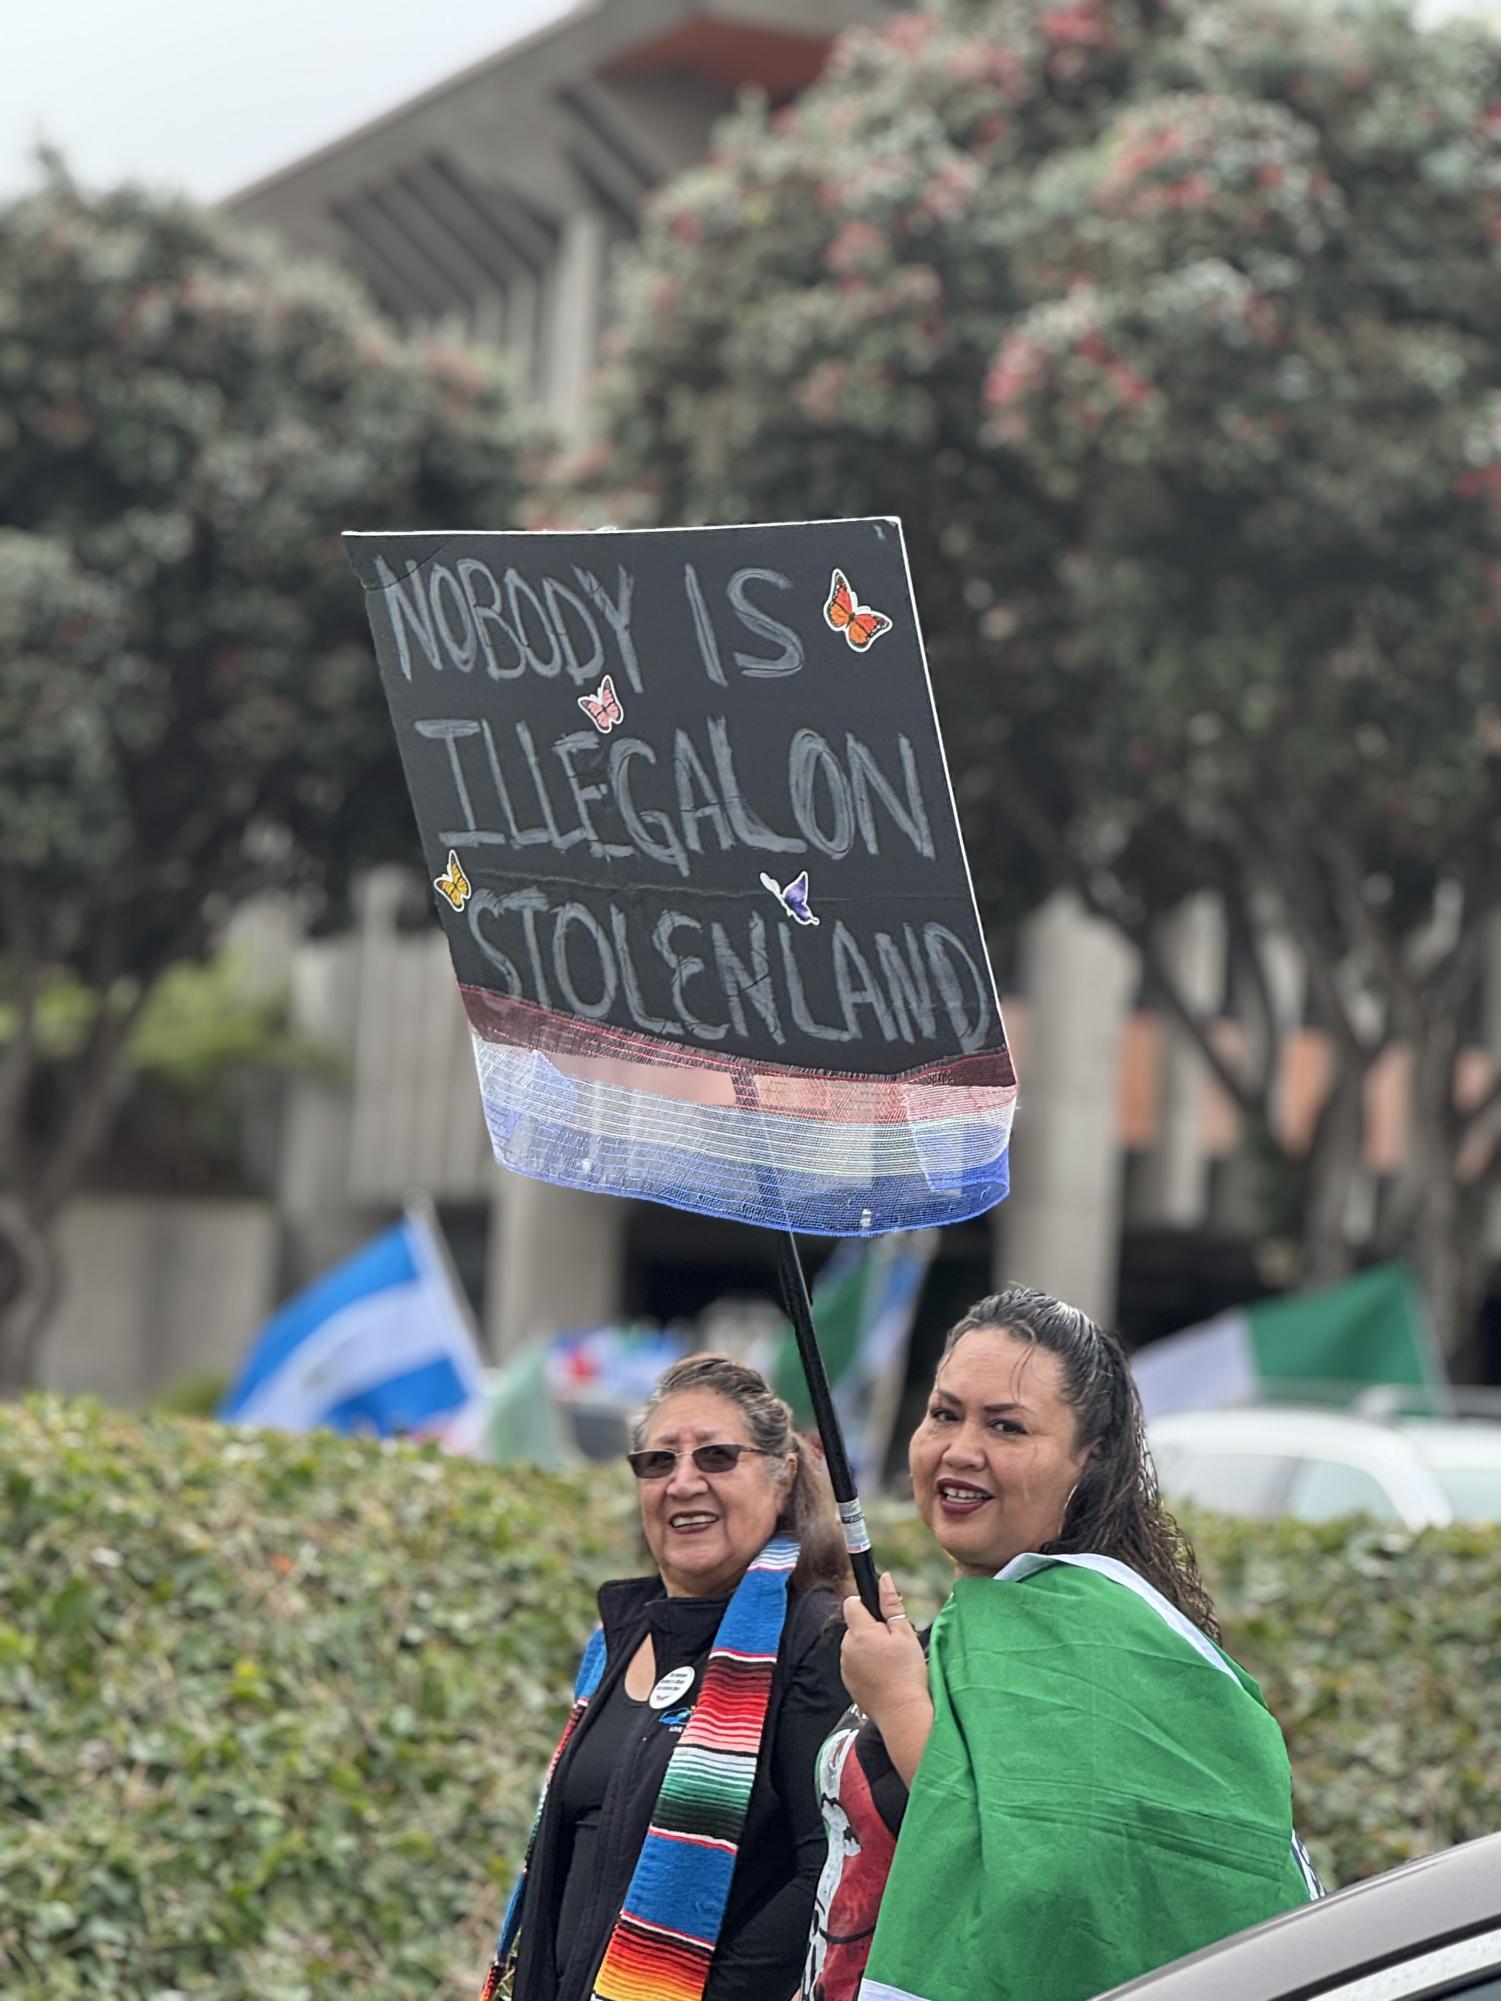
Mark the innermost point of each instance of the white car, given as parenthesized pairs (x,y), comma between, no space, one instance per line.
(1316,1465)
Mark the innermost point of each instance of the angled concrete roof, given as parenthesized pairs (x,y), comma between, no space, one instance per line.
(463,189)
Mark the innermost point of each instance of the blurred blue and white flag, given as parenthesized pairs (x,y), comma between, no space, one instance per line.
(383,1343)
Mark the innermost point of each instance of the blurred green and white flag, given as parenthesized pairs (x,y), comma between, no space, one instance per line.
(1325,1346)
(515,1420)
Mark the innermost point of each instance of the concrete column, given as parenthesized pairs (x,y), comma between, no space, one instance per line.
(1060,1229)
(312,1178)
(575,305)
(1174,1183)
(157,1289)
(488,324)
(555,1260)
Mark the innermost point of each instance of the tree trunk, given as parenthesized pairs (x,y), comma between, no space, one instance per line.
(1333,1162)
(40,1176)
(30,1278)
(1448,1254)
(1437,1220)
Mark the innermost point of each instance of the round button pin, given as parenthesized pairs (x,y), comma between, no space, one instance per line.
(673,1684)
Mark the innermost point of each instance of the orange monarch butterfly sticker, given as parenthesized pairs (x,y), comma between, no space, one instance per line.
(453,883)
(603,709)
(845,613)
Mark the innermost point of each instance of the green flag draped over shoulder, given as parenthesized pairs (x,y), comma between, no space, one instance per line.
(1102,1791)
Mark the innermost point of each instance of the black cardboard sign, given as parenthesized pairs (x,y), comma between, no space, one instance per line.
(688,783)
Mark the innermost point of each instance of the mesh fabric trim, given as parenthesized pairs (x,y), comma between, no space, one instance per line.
(784,1148)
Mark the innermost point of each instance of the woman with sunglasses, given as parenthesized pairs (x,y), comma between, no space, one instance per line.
(679,1841)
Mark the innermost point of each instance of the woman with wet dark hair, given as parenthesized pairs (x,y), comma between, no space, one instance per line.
(1073,1782)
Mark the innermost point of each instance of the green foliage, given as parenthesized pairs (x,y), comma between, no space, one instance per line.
(189,712)
(200,1025)
(1166,330)
(273,1711)
(204,1023)
(198,1394)
(188,419)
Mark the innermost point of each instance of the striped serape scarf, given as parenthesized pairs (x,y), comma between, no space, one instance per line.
(663,1943)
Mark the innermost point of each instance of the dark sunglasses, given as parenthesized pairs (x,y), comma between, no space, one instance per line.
(658,1463)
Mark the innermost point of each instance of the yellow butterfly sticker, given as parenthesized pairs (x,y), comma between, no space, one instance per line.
(453,883)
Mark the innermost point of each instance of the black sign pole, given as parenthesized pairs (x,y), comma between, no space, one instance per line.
(841,1477)
(799,1304)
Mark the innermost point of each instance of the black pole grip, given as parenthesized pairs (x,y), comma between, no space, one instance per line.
(841,1478)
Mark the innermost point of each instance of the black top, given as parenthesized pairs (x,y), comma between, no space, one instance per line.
(602,1795)
(584,1781)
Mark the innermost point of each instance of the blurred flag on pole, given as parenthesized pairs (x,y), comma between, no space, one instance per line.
(381,1344)
(1328,1346)
(523,1423)
(864,1303)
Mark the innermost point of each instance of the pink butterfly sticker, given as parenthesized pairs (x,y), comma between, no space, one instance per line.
(603,708)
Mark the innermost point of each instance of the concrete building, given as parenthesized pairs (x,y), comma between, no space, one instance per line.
(495,204)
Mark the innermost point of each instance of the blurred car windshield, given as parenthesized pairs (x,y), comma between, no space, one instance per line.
(1326,1490)
(1466,1462)
(1230,1483)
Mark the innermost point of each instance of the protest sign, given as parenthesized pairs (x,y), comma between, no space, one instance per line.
(685,810)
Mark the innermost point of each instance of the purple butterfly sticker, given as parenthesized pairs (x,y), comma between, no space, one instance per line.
(793,897)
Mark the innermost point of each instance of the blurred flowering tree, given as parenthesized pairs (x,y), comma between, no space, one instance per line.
(188,709)
(1167,326)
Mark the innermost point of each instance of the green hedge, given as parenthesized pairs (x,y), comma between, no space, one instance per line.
(273,1710)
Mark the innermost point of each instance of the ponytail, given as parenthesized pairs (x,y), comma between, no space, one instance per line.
(823,1562)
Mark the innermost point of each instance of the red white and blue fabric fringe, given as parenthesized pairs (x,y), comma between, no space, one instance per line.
(614,1113)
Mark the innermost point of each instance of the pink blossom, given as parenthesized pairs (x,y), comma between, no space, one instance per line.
(1138,159)
(1079,26)
(818,397)
(1130,388)
(1019,370)
(857,243)
(907,33)
(1194,192)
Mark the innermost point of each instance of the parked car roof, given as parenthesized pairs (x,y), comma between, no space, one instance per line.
(1452,1899)
(1273,1459)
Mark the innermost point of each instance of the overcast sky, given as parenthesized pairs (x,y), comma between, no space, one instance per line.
(203,96)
